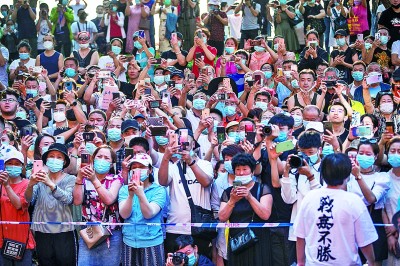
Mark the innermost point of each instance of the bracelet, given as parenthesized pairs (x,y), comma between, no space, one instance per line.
(74,156)
(192,163)
(79,184)
(54,190)
(178,53)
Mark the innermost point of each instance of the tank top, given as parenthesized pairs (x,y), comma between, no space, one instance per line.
(84,62)
(313,101)
(50,62)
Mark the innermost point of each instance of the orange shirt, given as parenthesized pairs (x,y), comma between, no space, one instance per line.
(10,213)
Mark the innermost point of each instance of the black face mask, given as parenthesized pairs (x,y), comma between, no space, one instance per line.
(82,16)
(396,6)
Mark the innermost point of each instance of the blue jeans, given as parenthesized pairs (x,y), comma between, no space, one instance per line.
(102,255)
(26,261)
(152,32)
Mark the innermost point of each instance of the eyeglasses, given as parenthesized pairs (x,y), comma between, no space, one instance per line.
(83,39)
(8,100)
(368,141)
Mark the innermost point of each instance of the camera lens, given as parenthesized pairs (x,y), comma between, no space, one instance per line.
(267,130)
(296,161)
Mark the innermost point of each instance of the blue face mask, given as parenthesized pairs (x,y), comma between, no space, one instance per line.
(314,158)
(101,166)
(138,45)
(114,134)
(24,56)
(298,120)
(229,50)
(394,159)
(384,39)
(54,165)
(341,41)
(228,167)
(32,147)
(265,122)
(305,123)
(90,148)
(21,114)
(116,49)
(281,137)
(44,149)
(34,93)
(357,75)
(234,136)
(191,259)
(161,140)
(4,13)
(268,74)
(114,9)
(368,45)
(199,104)
(143,175)
(14,171)
(205,40)
(177,156)
(327,150)
(365,161)
(294,83)
(245,179)
(244,61)
(241,136)
(168,78)
(179,87)
(259,48)
(262,105)
(70,72)
(230,110)
(159,80)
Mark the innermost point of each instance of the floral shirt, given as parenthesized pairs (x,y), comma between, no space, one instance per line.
(93,208)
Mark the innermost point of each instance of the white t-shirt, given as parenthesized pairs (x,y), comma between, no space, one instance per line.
(106,62)
(234,25)
(44,30)
(396,49)
(194,120)
(88,26)
(76,8)
(334,223)
(15,64)
(179,209)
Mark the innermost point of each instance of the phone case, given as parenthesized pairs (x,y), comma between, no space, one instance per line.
(173,140)
(205,113)
(37,166)
(158,130)
(284,146)
(155,121)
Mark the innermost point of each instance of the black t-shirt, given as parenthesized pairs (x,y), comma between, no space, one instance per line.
(127,89)
(171,55)
(345,72)
(308,10)
(382,57)
(391,20)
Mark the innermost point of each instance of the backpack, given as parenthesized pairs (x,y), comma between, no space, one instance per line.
(340,22)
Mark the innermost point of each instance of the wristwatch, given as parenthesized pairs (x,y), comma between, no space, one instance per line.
(359,177)
(75,103)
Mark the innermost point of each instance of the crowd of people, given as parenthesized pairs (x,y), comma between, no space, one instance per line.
(216,121)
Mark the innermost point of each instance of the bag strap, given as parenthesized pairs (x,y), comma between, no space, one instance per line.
(86,195)
(185,186)
(1,219)
(258,197)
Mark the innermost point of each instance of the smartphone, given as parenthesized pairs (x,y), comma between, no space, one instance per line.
(115,95)
(154,104)
(141,82)
(85,159)
(377,36)
(21,64)
(249,128)
(53,105)
(68,85)
(135,176)
(327,126)
(294,67)
(222,96)
(255,43)
(390,127)
(12,7)
(191,76)
(198,55)
(166,97)
(237,183)
(374,79)
(251,137)
(313,44)
(155,121)
(205,113)
(221,134)
(174,36)
(158,61)
(37,69)
(60,139)
(89,128)
(360,37)
(26,131)
(173,140)
(147,91)
(232,58)
(104,74)
(88,136)
(330,83)
(355,119)
(37,166)
(29,96)
(199,34)
(257,77)
(2,165)
(280,72)
(128,152)
(141,34)
(171,84)
(361,131)
(146,80)
(284,146)
(183,138)
(250,82)
(108,47)
(158,130)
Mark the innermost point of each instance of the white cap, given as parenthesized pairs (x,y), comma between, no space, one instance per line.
(317,126)
(214,2)
(12,153)
(141,158)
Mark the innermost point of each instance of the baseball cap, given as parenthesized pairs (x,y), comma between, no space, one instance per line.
(341,32)
(141,158)
(317,126)
(130,123)
(232,124)
(214,2)
(177,72)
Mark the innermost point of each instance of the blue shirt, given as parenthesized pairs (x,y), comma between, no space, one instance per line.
(142,58)
(282,92)
(358,93)
(239,80)
(143,236)
(26,25)
(3,69)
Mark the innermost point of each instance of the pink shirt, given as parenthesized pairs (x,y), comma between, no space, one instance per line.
(257,60)
(229,69)
(361,12)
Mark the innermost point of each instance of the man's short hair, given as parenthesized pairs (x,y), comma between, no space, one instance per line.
(335,168)
(231,150)
(340,104)
(140,141)
(307,72)
(183,241)
(282,120)
(309,139)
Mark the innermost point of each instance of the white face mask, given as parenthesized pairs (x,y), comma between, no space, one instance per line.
(59,116)
(48,45)
(128,139)
(245,179)
(386,108)
(84,45)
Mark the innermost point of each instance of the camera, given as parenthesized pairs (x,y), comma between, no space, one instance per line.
(178,257)
(267,130)
(296,161)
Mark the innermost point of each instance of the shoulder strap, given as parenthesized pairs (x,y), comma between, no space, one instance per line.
(334,11)
(79,27)
(258,197)
(185,186)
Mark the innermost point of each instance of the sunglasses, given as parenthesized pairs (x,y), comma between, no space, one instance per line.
(368,141)
(83,39)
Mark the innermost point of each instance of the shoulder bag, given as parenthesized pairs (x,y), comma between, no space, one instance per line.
(246,238)
(198,214)
(144,24)
(12,250)
(94,235)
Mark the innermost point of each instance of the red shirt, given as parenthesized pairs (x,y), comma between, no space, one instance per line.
(115,29)
(15,232)
(213,50)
